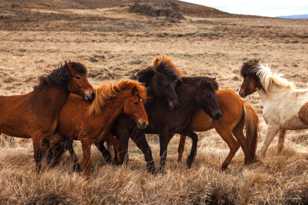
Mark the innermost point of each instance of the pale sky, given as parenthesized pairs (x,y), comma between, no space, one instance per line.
(258,7)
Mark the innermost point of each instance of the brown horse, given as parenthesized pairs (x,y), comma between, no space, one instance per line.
(35,115)
(90,123)
(236,115)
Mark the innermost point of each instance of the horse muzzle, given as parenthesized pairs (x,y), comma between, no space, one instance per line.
(242,93)
(142,124)
(89,96)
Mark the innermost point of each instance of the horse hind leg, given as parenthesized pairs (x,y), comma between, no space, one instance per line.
(239,135)
(181,147)
(232,143)
(281,140)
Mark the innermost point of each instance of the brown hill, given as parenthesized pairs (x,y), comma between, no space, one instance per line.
(185,8)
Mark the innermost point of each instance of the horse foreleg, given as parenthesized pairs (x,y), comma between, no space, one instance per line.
(142,144)
(181,147)
(37,153)
(164,140)
(281,140)
(86,161)
(193,151)
(271,133)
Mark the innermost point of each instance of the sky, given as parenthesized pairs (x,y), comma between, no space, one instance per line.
(258,7)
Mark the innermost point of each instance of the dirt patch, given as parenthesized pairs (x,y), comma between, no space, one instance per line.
(163,8)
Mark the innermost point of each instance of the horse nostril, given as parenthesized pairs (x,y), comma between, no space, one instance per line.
(93,95)
(217,115)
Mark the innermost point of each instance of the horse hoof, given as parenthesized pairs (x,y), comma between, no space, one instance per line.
(76,168)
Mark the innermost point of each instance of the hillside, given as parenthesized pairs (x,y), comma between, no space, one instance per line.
(186,8)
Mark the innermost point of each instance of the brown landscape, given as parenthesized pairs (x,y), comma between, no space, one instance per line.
(114,41)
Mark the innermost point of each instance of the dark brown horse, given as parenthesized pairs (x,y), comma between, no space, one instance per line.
(169,113)
(35,115)
(90,123)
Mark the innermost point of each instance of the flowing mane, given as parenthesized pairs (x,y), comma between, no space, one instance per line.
(165,63)
(60,76)
(265,75)
(109,89)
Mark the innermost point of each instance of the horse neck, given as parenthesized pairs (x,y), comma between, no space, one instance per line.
(110,111)
(57,96)
(274,93)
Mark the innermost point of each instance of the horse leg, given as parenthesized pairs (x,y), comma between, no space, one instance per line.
(86,161)
(164,140)
(181,147)
(193,151)
(239,135)
(37,154)
(73,155)
(105,153)
(232,143)
(271,132)
(281,140)
(141,142)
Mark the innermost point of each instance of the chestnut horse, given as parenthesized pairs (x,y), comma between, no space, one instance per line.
(285,107)
(169,113)
(237,114)
(90,123)
(35,115)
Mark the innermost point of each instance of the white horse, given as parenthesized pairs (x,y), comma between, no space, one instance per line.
(285,107)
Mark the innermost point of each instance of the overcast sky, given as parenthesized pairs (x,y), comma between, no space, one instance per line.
(258,7)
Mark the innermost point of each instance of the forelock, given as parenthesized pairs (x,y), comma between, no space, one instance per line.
(250,67)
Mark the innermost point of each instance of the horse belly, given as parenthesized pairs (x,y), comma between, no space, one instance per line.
(303,113)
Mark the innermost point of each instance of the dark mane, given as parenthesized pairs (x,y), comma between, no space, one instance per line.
(165,65)
(250,67)
(60,76)
(204,81)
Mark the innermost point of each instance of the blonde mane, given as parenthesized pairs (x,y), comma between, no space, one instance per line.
(268,79)
(166,60)
(110,89)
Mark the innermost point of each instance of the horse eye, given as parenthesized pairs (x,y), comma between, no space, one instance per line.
(78,77)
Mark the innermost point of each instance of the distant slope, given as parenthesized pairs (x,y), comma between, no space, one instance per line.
(303,16)
(186,8)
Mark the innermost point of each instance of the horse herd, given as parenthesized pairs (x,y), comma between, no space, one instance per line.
(156,100)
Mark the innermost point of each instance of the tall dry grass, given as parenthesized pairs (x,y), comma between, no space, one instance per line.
(279,179)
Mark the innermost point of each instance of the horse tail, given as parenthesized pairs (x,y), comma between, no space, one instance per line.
(251,124)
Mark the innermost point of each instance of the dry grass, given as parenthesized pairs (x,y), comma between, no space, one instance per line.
(279,179)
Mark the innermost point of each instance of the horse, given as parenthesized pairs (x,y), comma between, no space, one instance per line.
(237,114)
(284,106)
(168,112)
(90,123)
(35,115)
(168,115)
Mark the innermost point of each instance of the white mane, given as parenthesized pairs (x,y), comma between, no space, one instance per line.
(268,79)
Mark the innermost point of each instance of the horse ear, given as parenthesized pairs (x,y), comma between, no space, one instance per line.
(69,67)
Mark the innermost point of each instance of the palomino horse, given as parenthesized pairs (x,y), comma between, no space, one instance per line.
(90,123)
(237,114)
(167,118)
(35,115)
(284,106)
